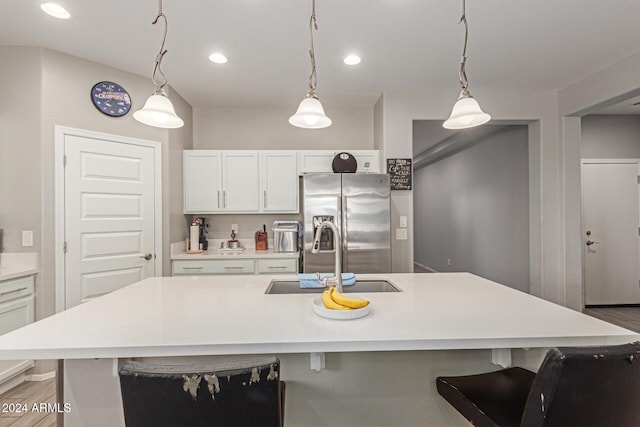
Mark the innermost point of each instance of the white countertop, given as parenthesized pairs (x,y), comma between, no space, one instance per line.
(211,315)
(18,264)
(178,252)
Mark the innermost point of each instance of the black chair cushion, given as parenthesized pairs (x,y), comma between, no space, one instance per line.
(232,394)
(490,399)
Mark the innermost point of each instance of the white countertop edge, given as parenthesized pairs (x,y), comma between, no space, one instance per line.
(316,347)
(18,264)
(178,252)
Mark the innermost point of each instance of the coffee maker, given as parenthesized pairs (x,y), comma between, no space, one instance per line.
(203,230)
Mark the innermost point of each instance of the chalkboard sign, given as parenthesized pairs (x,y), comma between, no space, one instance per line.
(399,171)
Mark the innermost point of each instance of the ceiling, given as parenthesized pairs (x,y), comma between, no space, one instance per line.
(404,44)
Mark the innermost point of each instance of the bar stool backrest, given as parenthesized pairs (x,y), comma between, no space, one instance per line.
(235,393)
(589,386)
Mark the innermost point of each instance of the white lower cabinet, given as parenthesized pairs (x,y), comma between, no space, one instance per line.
(16,311)
(272,266)
(237,266)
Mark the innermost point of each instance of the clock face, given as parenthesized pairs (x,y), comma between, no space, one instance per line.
(111,99)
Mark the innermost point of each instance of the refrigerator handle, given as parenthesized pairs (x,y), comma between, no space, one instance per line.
(345,237)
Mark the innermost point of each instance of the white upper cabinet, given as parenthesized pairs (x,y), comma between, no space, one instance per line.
(240,181)
(244,181)
(321,161)
(278,181)
(202,171)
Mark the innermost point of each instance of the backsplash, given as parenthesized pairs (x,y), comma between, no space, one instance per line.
(220,225)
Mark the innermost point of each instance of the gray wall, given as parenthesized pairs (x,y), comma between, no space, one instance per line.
(610,137)
(47,88)
(473,209)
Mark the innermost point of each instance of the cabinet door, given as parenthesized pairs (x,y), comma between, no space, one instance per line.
(368,160)
(202,181)
(213,266)
(315,161)
(16,314)
(278,181)
(240,181)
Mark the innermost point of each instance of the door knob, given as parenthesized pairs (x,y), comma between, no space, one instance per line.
(147,256)
(589,242)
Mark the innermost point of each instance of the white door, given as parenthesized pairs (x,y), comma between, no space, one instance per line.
(611,221)
(109,206)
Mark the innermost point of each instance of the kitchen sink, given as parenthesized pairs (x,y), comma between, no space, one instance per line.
(361,286)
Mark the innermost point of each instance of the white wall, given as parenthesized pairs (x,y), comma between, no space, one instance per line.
(20,157)
(472,210)
(610,137)
(269,129)
(606,87)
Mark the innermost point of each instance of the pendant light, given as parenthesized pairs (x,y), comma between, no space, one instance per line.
(158,110)
(310,114)
(466,112)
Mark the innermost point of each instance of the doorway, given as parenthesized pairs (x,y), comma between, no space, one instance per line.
(108,213)
(611,241)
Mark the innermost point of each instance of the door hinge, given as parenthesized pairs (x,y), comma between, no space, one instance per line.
(64,164)
(64,247)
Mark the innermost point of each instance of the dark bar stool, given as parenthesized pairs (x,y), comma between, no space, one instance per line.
(575,386)
(235,393)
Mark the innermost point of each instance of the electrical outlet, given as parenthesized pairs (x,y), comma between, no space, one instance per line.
(448,261)
(27,238)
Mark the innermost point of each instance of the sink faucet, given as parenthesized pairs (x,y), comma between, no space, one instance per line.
(337,277)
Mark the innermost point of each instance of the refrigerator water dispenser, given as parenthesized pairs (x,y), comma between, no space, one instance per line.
(327,243)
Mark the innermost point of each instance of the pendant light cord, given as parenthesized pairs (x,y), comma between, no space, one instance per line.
(463,74)
(313,24)
(160,84)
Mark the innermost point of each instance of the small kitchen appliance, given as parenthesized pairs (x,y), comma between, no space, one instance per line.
(261,239)
(203,230)
(285,236)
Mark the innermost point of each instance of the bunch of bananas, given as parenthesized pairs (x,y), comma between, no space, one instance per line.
(334,300)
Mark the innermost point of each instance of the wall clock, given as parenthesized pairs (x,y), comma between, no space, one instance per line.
(111,99)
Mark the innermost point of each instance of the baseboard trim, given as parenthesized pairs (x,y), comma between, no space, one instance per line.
(424,267)
(41,377)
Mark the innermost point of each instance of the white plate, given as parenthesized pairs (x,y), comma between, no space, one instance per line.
(321,310)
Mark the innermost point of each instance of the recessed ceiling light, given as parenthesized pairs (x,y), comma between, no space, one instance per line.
(218,58)
(352,59)
(55,10)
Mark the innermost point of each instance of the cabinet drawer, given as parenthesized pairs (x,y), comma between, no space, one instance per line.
(16,288)
(236,266)
(276,266)
(16,314)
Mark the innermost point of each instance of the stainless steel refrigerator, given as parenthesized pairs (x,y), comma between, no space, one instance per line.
(359,206)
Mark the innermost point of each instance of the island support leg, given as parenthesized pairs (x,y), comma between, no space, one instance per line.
(316,361)
(501,357)
(92,390)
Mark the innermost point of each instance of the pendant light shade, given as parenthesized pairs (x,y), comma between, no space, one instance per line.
(466,112)
(310,114)
(158,111)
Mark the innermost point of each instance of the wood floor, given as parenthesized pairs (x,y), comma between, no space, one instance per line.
(626,317)
(17,405)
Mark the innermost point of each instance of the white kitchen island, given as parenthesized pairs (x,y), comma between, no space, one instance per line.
(379,370)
